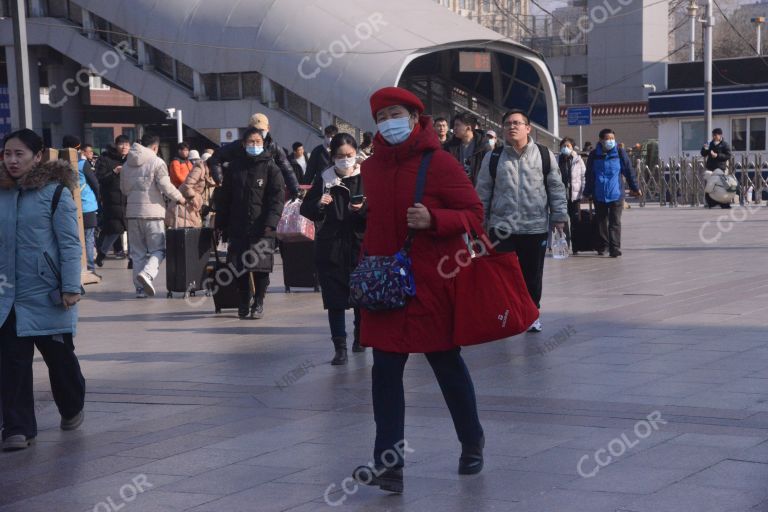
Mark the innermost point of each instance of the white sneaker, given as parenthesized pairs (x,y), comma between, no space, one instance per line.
(535,326)
(146,282)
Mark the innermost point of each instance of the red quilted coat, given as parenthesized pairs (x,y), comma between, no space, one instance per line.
(389,180)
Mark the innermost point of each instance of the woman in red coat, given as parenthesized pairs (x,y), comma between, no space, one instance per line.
(425,325)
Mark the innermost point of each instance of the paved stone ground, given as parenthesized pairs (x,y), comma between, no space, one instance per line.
(194,409)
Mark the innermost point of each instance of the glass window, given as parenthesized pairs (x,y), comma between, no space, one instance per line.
(101,26)
(251,85)
(296,105)
(75,14)
(279,92)
(757,134)
(229,86)
(315,114)
(739,134)
(694,134)
(210,87)
(57,8)
(162,61)
(184,74)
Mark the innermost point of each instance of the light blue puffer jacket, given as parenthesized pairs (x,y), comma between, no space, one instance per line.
(31,241)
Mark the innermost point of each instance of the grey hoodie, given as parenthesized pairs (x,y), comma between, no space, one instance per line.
(520,204)
(144,180)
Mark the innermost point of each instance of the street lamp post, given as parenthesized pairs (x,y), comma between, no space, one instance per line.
(758,22)
(709,22)
(172,113)
(21,56)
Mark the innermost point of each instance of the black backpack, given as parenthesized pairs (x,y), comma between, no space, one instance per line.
(546,164)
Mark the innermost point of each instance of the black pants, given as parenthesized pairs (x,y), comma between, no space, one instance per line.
(712,203)
(67,382)
(260,283)
(337,319)
(531,251)
(573,214)
(608,217)
(389,401)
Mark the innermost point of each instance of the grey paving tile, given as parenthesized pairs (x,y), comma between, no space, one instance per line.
(732,474)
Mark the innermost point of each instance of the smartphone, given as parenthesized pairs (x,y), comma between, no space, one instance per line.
(357,199)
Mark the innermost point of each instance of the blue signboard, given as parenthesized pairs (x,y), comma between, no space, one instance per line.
(5,111)
(579,116)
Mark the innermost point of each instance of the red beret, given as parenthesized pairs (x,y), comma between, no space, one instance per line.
(389,96)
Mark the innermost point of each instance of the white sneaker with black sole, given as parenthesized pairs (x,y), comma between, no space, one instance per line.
(146,281)
(535,326)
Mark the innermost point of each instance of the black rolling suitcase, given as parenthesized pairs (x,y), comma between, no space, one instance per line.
(187,253)
(299,265)
(584,232)
(223,283)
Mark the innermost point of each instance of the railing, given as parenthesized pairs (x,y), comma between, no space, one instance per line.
(680,182)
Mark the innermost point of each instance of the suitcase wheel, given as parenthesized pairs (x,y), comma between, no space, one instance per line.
(218,310)
(169,295)
(287,289)
(192,293)
(317,289)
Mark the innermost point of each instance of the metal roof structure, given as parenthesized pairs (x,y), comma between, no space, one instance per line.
(332,53)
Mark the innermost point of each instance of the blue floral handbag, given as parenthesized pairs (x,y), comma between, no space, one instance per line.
(386,282)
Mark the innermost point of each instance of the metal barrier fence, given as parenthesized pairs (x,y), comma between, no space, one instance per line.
(680,182)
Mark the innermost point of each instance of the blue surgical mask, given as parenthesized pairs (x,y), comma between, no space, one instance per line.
(395,130)
(254,150)
(609,144)
(565,151)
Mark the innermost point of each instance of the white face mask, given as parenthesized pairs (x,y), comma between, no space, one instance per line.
(346,166)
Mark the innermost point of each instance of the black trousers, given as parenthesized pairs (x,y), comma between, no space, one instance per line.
(260,283)
(389,401)
(531,251)
(573,215)
(608,217)
(67,382)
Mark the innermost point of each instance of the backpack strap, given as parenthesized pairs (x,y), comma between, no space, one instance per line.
(56,197)
(546,166)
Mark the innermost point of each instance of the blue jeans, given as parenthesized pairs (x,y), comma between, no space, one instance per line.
(90,247)
(107,242)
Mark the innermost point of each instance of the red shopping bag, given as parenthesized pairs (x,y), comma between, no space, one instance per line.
(491,301)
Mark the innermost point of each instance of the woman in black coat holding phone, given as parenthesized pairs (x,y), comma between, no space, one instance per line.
(336,201)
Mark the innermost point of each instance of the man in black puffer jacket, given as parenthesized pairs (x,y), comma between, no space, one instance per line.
(222,156)
(247,213)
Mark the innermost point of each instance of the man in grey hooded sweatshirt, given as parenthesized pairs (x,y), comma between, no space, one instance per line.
(521,196)
(144,180)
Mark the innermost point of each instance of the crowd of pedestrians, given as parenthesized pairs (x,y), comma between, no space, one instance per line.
(360,197)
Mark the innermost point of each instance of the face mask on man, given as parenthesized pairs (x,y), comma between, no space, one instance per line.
(345,166)
(327,142)
(395,130)
(565,151)
(254,150)
(609,144)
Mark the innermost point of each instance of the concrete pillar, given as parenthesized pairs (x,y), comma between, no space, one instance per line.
(65,115)
(34,87)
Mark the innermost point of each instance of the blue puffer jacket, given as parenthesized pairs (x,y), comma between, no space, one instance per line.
(31,241)
(87,197)
(604,172)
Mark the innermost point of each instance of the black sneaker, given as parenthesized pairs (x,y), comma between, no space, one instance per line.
(99,260)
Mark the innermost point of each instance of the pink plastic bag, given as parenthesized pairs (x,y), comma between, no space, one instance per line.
(294,227)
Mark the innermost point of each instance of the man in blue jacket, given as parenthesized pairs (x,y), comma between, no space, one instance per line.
(605,166)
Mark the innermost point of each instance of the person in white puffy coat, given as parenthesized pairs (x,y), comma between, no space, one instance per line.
(573,170)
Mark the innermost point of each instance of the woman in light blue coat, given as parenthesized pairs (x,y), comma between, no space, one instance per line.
(40,255)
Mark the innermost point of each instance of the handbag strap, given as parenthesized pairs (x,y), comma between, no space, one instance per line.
(476,232)
(421,181)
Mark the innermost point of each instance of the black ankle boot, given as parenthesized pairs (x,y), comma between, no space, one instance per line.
(471,460)
(356,346)
(340,344)
(386,479)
